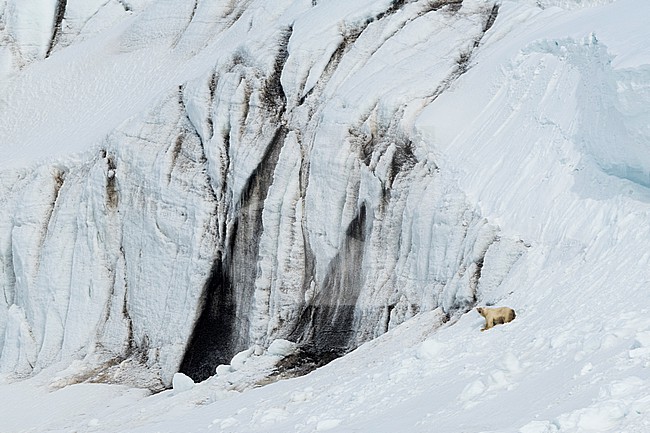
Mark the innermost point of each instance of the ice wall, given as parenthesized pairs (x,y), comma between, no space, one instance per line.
(278,191)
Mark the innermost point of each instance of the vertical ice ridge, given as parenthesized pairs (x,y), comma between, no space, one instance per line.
(59,14)
(491,18)
(273,93)
(327,323)
(223,327)
(181,33)
(465,55)
(224,323)
(58,180)
(349,34)
(112,190)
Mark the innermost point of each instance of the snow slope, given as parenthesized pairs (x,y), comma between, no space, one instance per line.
(379,184)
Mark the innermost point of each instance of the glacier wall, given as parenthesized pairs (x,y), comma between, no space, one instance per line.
(278,190)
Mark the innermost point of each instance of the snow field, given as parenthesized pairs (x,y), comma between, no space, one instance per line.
(536,374)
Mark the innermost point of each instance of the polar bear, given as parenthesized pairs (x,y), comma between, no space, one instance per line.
(496,316)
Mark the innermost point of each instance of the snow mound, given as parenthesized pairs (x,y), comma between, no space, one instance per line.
(280,347)
(182,383)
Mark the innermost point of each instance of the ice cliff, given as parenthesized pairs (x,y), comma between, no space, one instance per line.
(207,176)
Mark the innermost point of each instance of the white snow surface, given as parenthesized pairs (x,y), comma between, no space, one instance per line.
(539,150)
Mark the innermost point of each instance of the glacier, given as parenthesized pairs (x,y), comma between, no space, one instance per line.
(184,185)
(255,198)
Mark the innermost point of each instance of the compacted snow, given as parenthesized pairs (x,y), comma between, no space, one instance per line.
(194,195)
